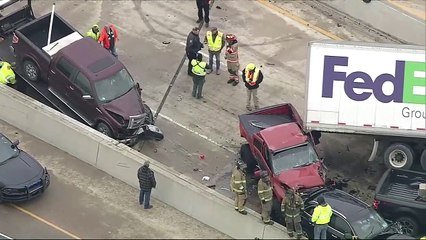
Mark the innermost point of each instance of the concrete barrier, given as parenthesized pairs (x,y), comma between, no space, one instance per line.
(122,162)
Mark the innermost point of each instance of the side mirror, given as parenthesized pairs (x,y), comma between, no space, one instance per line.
(138,87)
(15,143)
(87,97)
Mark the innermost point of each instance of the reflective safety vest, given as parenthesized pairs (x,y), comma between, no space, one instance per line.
(238,181)
(251,77)
(217,44)
(322,214)
(198,68)
(93,35)
(6,73)
(264,191)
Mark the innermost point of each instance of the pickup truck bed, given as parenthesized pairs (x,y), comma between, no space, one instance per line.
(401,185)
(7,24)
(250,121)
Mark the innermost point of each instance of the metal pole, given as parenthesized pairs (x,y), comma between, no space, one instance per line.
(51,24)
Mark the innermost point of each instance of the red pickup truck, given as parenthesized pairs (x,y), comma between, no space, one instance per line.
(278,144)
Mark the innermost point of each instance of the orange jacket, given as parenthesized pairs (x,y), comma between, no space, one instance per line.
(103,37)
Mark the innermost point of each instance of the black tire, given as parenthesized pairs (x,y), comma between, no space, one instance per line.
(423,159)
(103,128)
(409,226)
(276,214)
(150,117)
(31,70)
(399,156)
(248,158)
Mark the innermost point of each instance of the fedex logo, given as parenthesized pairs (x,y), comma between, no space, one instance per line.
(409,82)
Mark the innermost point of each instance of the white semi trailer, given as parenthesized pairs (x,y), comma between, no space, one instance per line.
(372,89)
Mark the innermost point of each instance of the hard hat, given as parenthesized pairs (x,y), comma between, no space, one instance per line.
(251,66)
(230,37)
(264,174)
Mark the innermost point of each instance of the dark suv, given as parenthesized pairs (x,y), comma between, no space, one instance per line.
(352,218)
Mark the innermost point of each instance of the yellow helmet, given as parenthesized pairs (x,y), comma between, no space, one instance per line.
(251,66)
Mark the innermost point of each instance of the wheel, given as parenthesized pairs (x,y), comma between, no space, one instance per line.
(409,226)
(248,158)
(149,116)
(423,159)
(103,128)
(31,71)
(399,156)
(276,214)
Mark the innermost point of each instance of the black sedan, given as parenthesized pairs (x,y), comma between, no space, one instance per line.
(352,218)
(21,176)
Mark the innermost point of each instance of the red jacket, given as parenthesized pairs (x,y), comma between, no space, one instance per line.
(103,37)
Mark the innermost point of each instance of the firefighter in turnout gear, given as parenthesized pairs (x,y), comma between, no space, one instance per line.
(291,206)
(264,191)
(232,60)
(239,186)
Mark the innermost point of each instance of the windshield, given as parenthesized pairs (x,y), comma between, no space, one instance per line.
(295,157)
(6,150)
(114,87)
(370,225)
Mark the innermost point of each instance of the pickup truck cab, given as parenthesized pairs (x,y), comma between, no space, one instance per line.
(278,144)
(79,73)
(397,198)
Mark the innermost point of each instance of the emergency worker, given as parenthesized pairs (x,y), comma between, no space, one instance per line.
(94,32)
(7,75)
(252,77)
(239,186)
(215,41)
(291,206)
(321,217)
(108,38)
(232,60)
(264,191)
(198,75)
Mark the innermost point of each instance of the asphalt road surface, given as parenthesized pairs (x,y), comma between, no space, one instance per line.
(83,202)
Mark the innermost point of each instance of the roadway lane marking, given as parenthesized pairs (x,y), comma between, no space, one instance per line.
(298,19)
(45,221)
(412,11)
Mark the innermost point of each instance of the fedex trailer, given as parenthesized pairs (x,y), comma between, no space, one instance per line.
(372,89)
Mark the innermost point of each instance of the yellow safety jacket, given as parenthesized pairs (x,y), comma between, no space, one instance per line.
(93,35)
(322,214)
(264,191)
(198,68)
(6,74)
(251,77)
(217,44)
(238,181)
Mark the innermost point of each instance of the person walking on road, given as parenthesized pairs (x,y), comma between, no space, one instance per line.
(291,206)
(108,38)
(203,5)
(147,183)
(215,41)
(321,217)
(94,32)
(232,60)
(7,75)
(252,77)
(193,45)
(239,187)
(199,76)
(264,191)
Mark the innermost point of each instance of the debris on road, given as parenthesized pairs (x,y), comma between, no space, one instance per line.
(206,178)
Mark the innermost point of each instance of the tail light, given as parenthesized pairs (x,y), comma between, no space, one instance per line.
(376,204)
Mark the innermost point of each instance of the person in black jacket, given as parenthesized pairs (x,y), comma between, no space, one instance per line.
(203,5)
(193,45)
(252,77)
(147,183)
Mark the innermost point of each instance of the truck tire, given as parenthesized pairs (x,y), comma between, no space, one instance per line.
(399,156)
(31,70)
(248,158)
(149,116)
(276,214)
(103,128)
(423,160)
(409,226)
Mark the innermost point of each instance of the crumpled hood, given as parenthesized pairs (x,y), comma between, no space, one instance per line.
(20,170)
(307,176)
(127,105)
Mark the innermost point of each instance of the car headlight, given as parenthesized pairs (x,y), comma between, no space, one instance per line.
(10,190)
